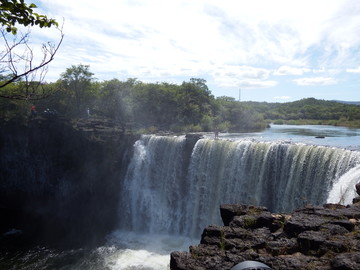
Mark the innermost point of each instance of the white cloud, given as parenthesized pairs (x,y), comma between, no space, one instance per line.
(286,70)
(256,84)
(233,71)
(316,81)
(243,76)
(353,70)
(319,70)
(243,83)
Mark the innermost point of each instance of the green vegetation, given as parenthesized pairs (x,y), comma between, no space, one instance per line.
(18,12)
(18,61)
(222,240)
(249,222)
(165,107)
(137,106)
(310,111)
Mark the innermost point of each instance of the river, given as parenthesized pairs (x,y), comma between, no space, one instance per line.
(333,136)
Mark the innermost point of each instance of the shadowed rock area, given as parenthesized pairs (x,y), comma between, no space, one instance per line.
(322,238)
(60,181)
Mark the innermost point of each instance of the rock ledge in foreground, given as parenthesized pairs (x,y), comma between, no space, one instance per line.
(313,237)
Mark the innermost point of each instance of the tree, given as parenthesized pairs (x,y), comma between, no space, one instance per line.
(235,116)
(76,80)
(113,101)
(154,105)
(195,101)
(17,58)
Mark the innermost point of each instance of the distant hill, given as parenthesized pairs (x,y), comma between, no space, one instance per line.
(339,112)
(348,102)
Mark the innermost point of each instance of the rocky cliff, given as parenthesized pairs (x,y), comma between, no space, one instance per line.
(60,181)
(318,238)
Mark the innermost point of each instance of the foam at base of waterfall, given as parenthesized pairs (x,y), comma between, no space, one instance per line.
(134,251)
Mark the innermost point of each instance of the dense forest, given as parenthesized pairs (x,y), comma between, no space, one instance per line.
(153,107)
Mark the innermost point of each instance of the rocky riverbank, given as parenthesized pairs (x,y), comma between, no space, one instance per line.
(313,237)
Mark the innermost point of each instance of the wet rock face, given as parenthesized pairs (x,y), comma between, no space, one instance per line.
(53,181)
(322,238)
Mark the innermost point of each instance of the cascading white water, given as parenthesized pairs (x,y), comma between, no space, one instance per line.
(343,191)
(160,194)
(154,188)
(280,176)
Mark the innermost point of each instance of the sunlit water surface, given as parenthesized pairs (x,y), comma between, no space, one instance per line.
(309,134)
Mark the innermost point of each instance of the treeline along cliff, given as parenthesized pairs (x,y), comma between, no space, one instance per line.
(186,107)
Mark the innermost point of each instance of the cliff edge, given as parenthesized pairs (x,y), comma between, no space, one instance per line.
(54,178)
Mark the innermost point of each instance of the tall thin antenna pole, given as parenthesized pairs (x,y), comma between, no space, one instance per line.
(239,94)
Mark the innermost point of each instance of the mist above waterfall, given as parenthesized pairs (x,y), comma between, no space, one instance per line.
(161,195)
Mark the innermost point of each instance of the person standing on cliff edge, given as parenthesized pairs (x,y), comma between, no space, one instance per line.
(33,110)
(216,133)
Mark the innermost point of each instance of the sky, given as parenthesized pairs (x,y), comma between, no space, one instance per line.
(258,50)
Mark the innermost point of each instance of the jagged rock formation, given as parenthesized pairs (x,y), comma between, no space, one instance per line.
(319,238)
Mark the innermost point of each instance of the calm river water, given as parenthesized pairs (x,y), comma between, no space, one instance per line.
(309,134)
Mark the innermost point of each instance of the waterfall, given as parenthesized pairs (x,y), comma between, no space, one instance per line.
(154,187)
(161,194)
(343,191)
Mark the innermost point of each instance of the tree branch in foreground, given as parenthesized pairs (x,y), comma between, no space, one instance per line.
(18,64)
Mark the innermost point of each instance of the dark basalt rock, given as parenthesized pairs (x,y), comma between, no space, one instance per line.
(54,177)
(193,137)
(229,211)
(357,187)
(310,238)
(346,261)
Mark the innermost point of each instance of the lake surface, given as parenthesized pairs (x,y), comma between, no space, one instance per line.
(330,135)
